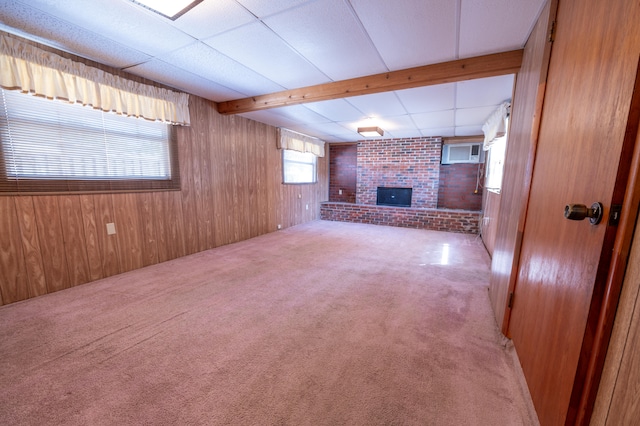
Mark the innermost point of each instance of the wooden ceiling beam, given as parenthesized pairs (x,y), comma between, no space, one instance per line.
(445,72)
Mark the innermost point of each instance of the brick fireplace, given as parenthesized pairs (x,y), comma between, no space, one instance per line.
(400,163)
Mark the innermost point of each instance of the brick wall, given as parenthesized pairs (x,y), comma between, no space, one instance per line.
(406,163)
(457,186)
(438,220)
(342,172)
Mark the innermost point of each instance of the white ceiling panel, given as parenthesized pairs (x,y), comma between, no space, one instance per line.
(401,125)
(484,25)
(430,120)
(397,125)
(25,21)
(484,91)
(229,49)
(318,132)
(341,129)
(335,44)
(183,80)
(130,25)
(226,14)
(337,110)
(352,126)
(255,46)
(262,8)
(471,116)
(428,33)
(378,104)
(429,98)
(301,114)
(404,133)
(438,131)
(206,62)
(468,130)
(270,117)
(336,132)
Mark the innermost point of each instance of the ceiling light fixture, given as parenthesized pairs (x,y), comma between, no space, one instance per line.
(172,9)
(370,132)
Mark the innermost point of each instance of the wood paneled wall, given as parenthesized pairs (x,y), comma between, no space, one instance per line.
(617,402)
(489,222)
(232,190)
(521,147)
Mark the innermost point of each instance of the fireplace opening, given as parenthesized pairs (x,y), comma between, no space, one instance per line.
(398,197)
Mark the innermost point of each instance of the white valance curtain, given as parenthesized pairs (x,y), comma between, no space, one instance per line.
(288,139)
(496,125)
(33,70)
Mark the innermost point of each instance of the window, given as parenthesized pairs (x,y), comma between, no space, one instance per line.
(298,167)
(48,146)
(495,165)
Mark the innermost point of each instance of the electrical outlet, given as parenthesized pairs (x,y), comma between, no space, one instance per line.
(111,228)
(307,206)
(279,226)
(339,191)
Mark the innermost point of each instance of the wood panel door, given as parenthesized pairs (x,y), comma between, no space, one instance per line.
(563,263)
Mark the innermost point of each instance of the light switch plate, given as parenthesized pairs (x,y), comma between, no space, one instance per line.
(111,228)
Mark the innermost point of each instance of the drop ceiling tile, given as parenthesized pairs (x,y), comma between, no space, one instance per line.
(403,134)
(123,22)
(328,35)
(468,131)
(206,62)
(301,114)
(484,91)
(183,80)
(378,104)
(255,46)
(213,17)
(270,118)
(339,130)
(262,8)
(336,43)
(352,126)
(314,130)
(401,124)
(33,24)
(438,132)
(429,120)
(338,139)
(428,98)
(490,26)
(428,32)
(337,110)
(473,116)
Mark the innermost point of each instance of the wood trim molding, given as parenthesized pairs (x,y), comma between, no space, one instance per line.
(463,139)
(446,72)
(341,143)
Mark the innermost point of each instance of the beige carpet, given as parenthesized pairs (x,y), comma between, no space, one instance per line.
(326,323)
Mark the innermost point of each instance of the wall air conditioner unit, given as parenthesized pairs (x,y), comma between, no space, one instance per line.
(462,153)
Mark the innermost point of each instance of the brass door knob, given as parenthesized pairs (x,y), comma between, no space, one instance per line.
(580,212)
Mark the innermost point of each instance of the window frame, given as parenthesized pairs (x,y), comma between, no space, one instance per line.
(315,168)
(494,175)
(44,185)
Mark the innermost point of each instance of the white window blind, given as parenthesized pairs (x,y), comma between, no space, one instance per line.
(57,146)
(30,69)
(299,167)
